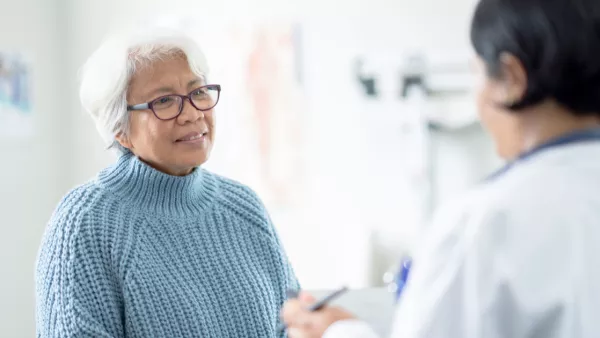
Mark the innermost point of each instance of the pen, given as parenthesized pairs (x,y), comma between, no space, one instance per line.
(319,304)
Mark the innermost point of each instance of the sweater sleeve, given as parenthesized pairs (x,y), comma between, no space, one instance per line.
(77,292)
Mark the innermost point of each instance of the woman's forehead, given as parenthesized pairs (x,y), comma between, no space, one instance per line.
(163,77)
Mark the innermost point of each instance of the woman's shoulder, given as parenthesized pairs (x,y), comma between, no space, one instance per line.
(69,224)
(82,203)
(234,191)
(83,232)
(79,199)
(243,201)
(86,218)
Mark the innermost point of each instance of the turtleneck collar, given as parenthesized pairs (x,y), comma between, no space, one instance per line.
(156,192)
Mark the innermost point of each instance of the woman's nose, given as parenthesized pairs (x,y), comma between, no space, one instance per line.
(189,113)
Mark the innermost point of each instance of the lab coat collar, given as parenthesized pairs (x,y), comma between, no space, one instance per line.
(588,135)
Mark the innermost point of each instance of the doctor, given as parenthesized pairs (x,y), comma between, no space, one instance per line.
(519,256)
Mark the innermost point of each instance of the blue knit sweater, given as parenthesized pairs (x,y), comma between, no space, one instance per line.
(138,253)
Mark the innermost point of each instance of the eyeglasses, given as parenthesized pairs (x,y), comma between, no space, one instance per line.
(169,107)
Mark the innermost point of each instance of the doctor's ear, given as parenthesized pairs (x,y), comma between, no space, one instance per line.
(512,78)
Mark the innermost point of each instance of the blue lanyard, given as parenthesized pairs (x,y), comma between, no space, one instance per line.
(589,135)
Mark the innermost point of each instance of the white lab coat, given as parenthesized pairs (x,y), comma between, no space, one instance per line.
(518,257)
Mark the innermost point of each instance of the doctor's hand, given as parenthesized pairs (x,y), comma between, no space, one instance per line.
(304,324)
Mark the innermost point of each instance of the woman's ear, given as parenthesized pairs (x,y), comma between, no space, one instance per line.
(124,141)
(513,77)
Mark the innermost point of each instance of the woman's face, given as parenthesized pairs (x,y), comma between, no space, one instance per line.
(492,94)
(173,146)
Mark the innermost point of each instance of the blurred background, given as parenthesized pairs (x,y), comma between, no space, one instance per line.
(352,120)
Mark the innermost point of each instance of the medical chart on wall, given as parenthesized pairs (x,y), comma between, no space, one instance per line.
(16,120)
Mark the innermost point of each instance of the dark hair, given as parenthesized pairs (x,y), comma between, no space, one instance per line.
(557,41)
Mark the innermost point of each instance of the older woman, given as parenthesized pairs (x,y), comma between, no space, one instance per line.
(518,256)
(156,246)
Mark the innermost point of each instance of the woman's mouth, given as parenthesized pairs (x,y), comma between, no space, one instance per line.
(194,137)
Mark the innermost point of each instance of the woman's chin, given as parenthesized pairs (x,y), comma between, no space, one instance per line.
(193,156)
(192,160)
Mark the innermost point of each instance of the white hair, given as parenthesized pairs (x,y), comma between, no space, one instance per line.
(106,75)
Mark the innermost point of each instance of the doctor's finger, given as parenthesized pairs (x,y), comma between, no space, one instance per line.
(292,311)
(306,298)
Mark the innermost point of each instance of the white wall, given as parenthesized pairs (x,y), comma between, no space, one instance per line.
(32,170)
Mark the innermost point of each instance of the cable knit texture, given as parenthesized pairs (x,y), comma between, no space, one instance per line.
(138,253)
